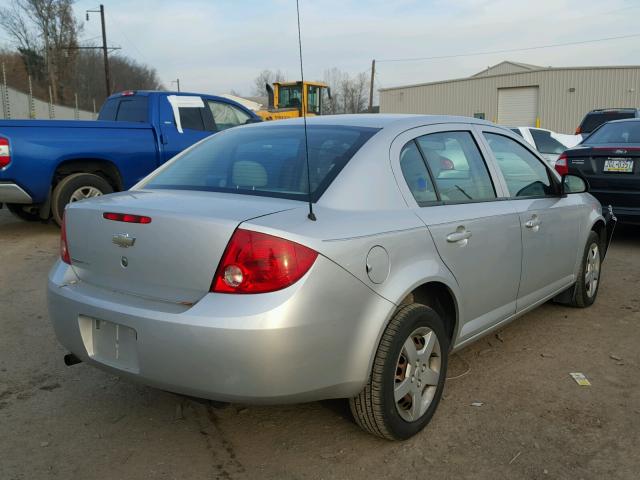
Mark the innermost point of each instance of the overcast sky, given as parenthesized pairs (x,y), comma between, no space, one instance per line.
(214,46)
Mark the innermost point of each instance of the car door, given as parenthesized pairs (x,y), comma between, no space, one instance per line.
(186,120)
(549,222)
(443,176)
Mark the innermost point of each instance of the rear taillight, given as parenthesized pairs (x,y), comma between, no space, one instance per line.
(5,152)
(255,262)
(562,164)
(64,248)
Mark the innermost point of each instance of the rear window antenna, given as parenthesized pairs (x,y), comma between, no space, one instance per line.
(311,215)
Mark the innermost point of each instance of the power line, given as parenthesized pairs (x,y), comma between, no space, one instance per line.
(507,50)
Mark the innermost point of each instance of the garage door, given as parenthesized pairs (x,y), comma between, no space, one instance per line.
(518,107)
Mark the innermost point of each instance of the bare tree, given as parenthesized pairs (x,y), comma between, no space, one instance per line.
(348,94)
(266,77)
(45,28)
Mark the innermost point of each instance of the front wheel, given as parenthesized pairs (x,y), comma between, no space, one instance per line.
(74,188)
(408,375)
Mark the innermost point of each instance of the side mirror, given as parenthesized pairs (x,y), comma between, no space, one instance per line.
(574,184)
(252,120)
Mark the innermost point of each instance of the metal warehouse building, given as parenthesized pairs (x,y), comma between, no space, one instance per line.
(520,94)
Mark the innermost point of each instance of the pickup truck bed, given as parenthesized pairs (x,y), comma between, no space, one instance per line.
(141,133)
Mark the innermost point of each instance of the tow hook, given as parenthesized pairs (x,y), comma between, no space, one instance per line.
(71,359)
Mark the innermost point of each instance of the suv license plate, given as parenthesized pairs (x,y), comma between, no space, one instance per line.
(618,165)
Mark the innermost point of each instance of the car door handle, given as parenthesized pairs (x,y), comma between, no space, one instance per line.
(533,223)
(461,235)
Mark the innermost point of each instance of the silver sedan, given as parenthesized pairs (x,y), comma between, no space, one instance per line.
(212,278)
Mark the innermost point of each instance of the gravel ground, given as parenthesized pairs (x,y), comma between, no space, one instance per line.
(534,421)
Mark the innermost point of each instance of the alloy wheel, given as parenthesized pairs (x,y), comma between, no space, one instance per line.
(592,270)
(84,192)
(417,374)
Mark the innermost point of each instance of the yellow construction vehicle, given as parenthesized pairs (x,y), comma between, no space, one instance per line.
(291,100)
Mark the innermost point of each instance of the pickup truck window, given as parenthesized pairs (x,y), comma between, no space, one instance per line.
(125,109)
(227,116)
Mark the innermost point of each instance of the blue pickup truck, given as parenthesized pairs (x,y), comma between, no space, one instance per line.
(45,164)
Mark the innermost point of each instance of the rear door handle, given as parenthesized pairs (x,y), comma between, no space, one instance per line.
(533,223)
(461,235)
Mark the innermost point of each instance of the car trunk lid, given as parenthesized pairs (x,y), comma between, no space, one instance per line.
(174,257)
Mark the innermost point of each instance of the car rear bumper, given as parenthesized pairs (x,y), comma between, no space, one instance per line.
(311,341)
(12,193)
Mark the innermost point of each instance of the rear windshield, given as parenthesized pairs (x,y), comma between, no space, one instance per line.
(617,133)
(266,160)
(125,109)
(594,120)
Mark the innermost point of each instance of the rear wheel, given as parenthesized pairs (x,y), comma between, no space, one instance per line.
(408,375)
(24,212)
(74,188)
(586,287)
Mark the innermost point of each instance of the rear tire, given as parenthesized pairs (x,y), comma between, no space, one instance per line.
(588,283)
(412,358)
(77,186)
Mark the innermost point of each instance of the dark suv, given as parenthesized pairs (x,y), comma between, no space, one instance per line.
(609,159)
(595,118)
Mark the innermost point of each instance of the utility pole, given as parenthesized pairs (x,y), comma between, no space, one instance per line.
(177,82)
(373,72)
(105,50)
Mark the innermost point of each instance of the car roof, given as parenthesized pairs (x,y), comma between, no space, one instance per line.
(623,120)
(382,120)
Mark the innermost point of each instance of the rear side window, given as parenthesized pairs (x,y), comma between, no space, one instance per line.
(457,167)
(416,174)
(516,131)
(594,119)
(196,119)
(525,174)
(616,133)
(545,143)
(268,161)
(132,109)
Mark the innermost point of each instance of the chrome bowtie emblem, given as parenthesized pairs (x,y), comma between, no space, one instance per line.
(619,151)
(123,240)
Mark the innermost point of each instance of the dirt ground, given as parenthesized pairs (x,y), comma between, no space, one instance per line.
(534,422)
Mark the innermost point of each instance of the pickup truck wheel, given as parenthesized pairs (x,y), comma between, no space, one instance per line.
(74,188)
(407,378)
(19,211)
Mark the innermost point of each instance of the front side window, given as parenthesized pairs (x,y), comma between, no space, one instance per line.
(227,116)
(545,143)
(457,167)
(616,133)
(416,174)
(525,174)
(266,160)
